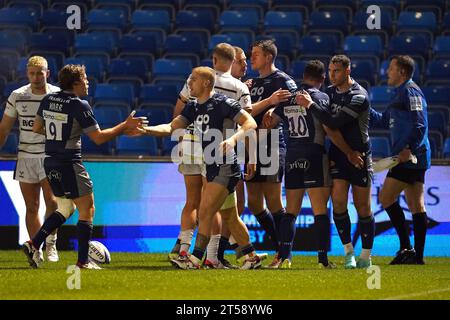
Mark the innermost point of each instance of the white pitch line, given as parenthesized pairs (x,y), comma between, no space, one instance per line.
(418,294)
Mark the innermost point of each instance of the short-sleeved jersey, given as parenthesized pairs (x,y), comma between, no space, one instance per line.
(406,116)
(65,117)
(303,127)
(351,115)
(23,105)
(219,112)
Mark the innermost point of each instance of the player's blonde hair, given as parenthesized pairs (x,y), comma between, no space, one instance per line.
(224,51)
(206,73)
(37,61)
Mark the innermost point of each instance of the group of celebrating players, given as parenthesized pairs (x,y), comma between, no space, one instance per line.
(257,111)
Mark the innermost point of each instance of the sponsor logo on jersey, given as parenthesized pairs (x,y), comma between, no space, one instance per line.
(358,99)
(415,103)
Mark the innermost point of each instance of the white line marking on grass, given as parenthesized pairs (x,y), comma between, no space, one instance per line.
(418,294)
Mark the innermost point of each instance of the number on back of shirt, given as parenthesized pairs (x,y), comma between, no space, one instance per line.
(298,127)
(54,124)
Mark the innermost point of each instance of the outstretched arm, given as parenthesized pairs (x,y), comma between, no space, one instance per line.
(166,129)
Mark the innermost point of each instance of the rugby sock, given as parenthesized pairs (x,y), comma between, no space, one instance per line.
(397,217)
(277,216)
(322,228)
(367,230)
(176,247)
(287,234)
(212,248)
(420,232)
(84,233)
(186,239)
(266,221)
(343,225)
(201,242)
(223,245)
(247,250)
(50,224)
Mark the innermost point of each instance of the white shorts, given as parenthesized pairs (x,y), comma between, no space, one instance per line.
(190,169)
(30,170)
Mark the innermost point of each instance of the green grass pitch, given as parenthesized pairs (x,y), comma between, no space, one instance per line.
(150,276)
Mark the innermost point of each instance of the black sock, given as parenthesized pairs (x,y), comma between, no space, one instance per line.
(420,232)
(52,223)
(397,217)
(343,226)
(367,230)
(266,221)
(176,247)
(247,249)
(223,245)
(234,246)
(84,232)
(287,235)
(322,228)
(201,242)
(277,216)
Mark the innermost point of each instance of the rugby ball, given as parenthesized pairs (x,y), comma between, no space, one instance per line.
(98,252)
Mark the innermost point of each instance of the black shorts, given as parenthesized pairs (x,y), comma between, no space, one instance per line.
(307,168)
(67,178)
(341,168)
(270,172)
(407,175)
(227,175)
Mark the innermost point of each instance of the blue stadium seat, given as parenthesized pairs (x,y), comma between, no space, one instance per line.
(157,114)
(11,86)
(54,18)
(19,16)
(185,46)
(158,94)
(359,25)
(236,20)
(407,44)
(93,42)
(363,45)
(94,66)
(108,117)
(381,147)
(114,93)
(158,35)
(195,19)
(235,39)
(49,42)
(318,45)
(364,69)
(106,18)
(446,152)
(438,72)
(89,147)
(328,20)
(438,95)
(113,107)
(380,96)
(151,19)
(279,20)
(168,145)
(417,21)
(138,43)
(436,121)
(174,68)
(137,146)
(446,24)
(120,67)
(12,40)
(297,68)
(6,68)
(441,48)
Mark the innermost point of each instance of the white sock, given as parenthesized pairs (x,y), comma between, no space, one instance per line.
(365,254)
(213,247)
(186,239)
(51,238)
(348,248)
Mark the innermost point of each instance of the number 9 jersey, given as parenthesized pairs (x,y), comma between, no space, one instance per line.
(65,117)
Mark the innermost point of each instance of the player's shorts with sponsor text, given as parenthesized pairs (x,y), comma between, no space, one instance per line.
(341,168)
(29,170)
(227,175)
(307,168)
(407,175)
(269,172)
(68,178)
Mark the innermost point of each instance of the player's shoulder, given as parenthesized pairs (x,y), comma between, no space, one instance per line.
(284,77)
(22,92)
(52,89)
(320,95)
(412,89)
(223,100)
(357,89)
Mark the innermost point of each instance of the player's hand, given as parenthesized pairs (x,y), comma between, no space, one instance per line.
(303,99)
(267,118)
(356,159)
(251,170)
(404,156)
(135,122)
(248,83)
(279,96)
(134,132)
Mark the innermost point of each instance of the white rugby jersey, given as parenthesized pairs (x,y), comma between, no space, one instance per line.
(23,104)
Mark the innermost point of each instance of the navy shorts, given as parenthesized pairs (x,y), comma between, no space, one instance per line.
(341,168)
(67,178)
(269,172)
(307,168)
(407,175)
(227,175)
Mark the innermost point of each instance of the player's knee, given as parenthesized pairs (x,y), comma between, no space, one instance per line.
(32,208)
(386,199)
